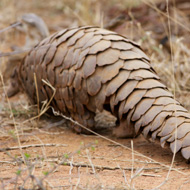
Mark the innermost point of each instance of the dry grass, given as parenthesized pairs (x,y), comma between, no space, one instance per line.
(19,120)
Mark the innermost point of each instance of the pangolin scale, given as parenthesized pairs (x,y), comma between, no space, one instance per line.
(95,69)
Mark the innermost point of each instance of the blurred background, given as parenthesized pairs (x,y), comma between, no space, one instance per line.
(160,27)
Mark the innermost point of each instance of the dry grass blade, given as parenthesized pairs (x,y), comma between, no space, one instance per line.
(37,94)
(166,14)
(173,75)
(44,109)
(45,105)
(12,116)
(174,90)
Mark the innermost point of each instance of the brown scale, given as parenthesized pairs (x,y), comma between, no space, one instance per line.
(94,69)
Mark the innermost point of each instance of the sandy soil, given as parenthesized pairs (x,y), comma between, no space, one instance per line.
(93,162)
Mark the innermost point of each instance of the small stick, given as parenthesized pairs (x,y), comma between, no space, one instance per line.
(150,175)
(107,167)
(10,27)
(31,145)
(6,54)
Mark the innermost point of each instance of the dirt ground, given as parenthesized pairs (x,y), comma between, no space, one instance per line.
(44,153)
(93,162)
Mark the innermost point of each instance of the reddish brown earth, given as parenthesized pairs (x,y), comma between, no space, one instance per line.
(93,162)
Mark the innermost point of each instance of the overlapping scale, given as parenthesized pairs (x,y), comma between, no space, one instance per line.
(91,68)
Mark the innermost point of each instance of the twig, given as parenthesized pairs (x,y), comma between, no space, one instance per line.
(5,54)
(90,161)
(50,133)
(89,165)
(10,27)
(107,167)
(32,145)
(8,162)
(125,178)
(121,160)
(66,158)
(70,171)
(150,175)
(78,181)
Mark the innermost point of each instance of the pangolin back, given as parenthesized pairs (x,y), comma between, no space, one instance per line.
(95,69)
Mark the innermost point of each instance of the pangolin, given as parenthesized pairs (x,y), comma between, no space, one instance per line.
(95,69)
(35,30)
